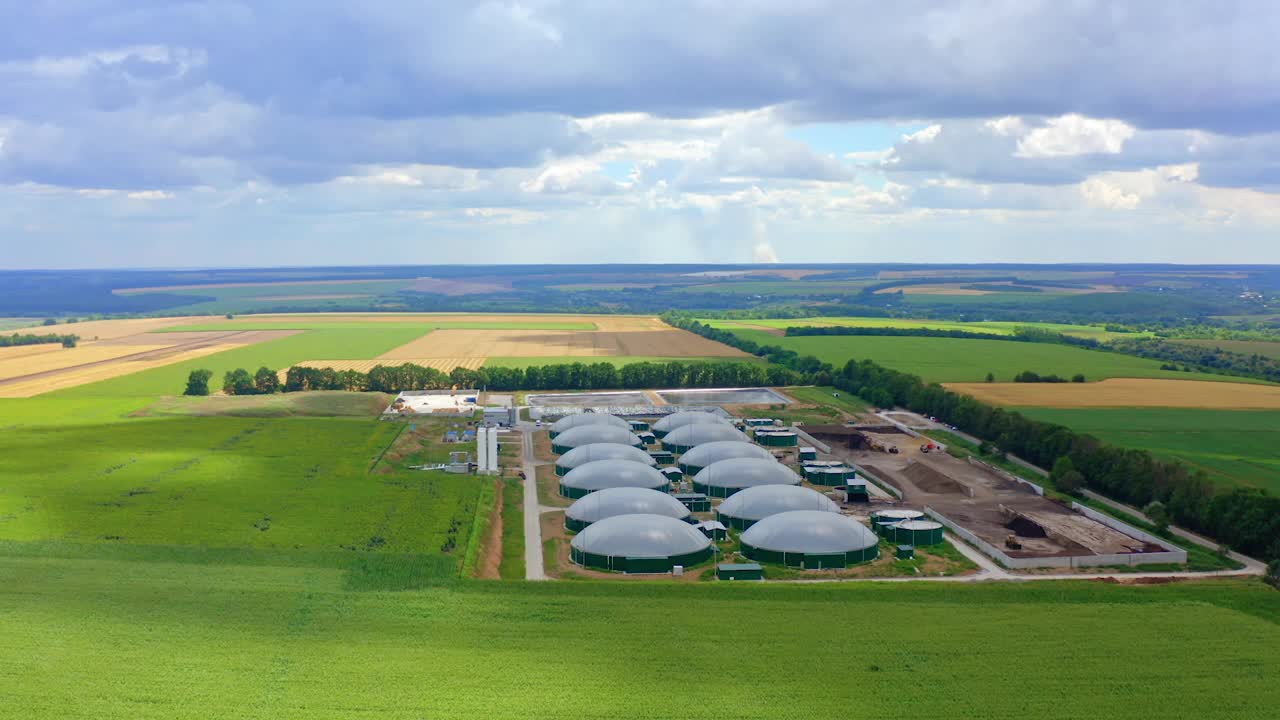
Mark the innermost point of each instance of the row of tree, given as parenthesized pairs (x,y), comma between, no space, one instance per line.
(1026,333)
(68,341)
(1245,519)
(235,382)
(1203,359)
(1027,376)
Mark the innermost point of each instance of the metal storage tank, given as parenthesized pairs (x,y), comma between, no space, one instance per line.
(570,422)
(589,434)
(724,478)
(810,539)
(681,419)
(600,474)
(707,453)
(829,476)
(639,544)
(916,532)
(621,501)
(896,515)
(753,504)
(684,439)
(601,451)
(777,438)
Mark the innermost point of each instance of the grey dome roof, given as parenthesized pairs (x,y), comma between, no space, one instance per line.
(745,473)
(625,501)
(680,419)
(761,501)
(810,532)
(588,434)
(717,450)
(585,419)
(604,451)
(601,474)
(640,536)
(697,434)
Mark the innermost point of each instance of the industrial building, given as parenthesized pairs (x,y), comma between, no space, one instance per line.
(640,544)
(724,478)
(601,451)
(684,439)
(810,539)
(681,419)
(754,504)
(570,422)
(705,454)
(777,438)
(590,434)
(601,474)
(622,501)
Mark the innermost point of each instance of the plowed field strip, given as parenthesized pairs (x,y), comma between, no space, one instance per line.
(442,364)
(41,383)
(17,351)
(1127,392)
(668,342)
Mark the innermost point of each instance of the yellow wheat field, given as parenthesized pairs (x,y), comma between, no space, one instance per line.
(1128,392)
(18,351)
(667,342)
(73,376)
(68,357)
(443,364)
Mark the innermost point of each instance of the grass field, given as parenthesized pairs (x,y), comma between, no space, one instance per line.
(249,297)
(1237,447)
(217,640)
(995,327)
(612,359)
(961,360)
(1128,392)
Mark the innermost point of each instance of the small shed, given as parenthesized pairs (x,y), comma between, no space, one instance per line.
(808,453)
(713,529)
(696,502)
(856,491)
(662,457)
(759,422)
(639,426)
(647,438)
(674,474)
(739,571)
(904,552)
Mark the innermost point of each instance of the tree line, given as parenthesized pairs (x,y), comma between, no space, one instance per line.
(1027,376)
(1019,334)
(1202,359)
(68,341)
(1246,519)
(562,376)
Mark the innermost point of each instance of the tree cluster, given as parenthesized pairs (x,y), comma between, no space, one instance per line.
(1027,333)
(1027,376)
(68,341)
(1245,519)
(1203,359)
(239,382)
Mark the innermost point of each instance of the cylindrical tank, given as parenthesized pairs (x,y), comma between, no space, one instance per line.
(829,476)
(777,438)
(917,532)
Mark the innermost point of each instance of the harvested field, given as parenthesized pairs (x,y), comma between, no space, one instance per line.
(1127,392)
(109,329)
(668,342)
(441,364)
(17,351)
(90,362)
(334,296)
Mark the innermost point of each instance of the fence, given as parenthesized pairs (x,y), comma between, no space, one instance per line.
(1171,553)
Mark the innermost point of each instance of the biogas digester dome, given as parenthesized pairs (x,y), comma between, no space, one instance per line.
(590,434)
(621,501)
(601,451)
(684,439)
(681,419)
(707,453)
(570,422)
(724,478)
(754,504)
(602,474)
(639,544)
(810,539)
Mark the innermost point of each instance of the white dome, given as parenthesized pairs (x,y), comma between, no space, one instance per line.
(745,473)
(691,436)
(680,419)
(570,422)
(761,501)
(811,532)
(601,474)
(712,452)
(604,451)
(625,501)
(640,536)
(589,434)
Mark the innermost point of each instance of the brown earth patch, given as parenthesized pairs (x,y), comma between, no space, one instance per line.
(440,286)
(491,546)
(334,296)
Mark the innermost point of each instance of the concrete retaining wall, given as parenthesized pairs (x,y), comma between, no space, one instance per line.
(878,482)
(1007,475)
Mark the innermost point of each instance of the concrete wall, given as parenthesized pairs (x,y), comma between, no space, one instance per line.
(1128,529)
(878,482)
(1172,554)
(1007,475)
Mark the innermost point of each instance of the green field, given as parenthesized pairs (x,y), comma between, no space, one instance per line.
(286,296)
(995,328)
(1238,447)
(1244,347)
(420,326)
(780,288)
(92,638)
(963,360)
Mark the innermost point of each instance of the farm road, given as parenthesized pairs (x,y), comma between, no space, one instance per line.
(533,568)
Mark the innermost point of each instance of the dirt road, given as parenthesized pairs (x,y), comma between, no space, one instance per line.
(533,569)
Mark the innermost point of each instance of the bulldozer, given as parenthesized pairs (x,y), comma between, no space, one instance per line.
(1012,542)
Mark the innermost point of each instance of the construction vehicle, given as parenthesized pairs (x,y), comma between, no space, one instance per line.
(1012,542)
(893,449)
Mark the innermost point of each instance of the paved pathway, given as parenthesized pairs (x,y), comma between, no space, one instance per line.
(532,511)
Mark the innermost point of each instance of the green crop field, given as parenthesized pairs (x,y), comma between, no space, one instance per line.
(996,328)
(962,360)
(286,296)
(1237,447)
(780,288)
(100,637)
(1244,347)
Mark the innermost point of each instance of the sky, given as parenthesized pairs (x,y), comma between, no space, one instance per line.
(136,133)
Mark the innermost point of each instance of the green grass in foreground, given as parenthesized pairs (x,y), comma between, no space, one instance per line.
(618,360)
(963,360)
(105,638)
(1236,447)
(512,566)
